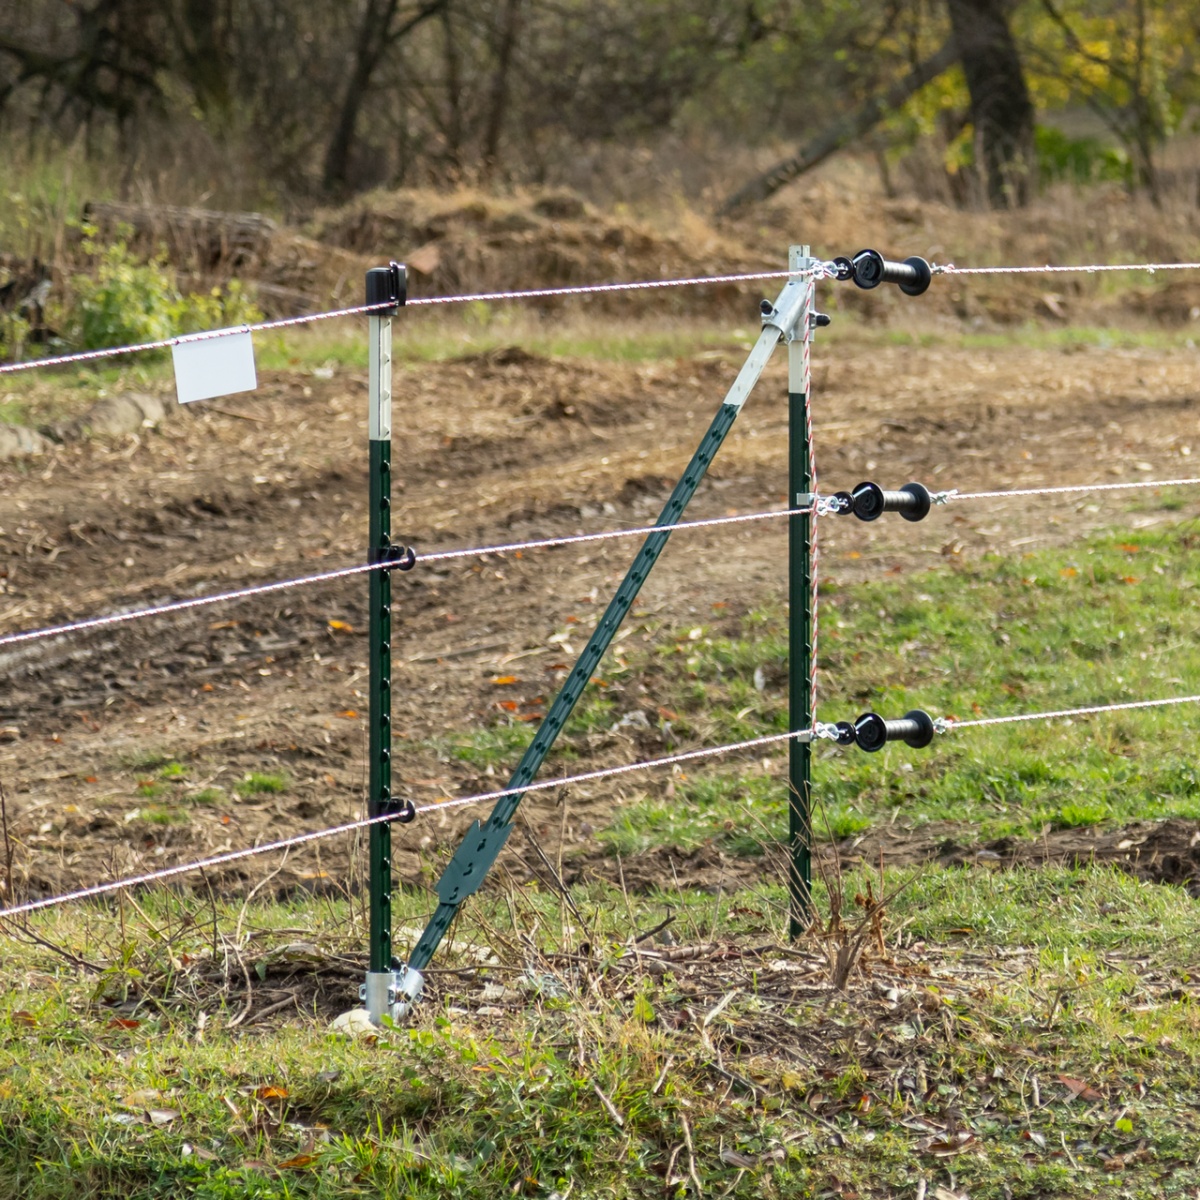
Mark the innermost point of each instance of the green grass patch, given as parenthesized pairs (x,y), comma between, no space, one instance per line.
(260,783)
(1110,619)
(207,795)
(1026,1034)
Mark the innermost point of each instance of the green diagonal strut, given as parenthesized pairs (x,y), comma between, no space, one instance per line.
(483,842)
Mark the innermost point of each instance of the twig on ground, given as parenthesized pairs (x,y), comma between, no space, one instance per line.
(555,875)
(610,1106)
(290,998)
(687,1137)
(10,887)
(641,937)
(662,1075)
(718,1008)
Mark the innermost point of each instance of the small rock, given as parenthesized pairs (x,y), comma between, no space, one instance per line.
(16,441)
(355,1023)
(115,415)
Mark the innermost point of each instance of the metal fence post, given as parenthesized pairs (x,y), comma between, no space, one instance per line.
(800,608)
(384,284)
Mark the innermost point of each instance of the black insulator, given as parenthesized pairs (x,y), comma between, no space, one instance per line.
(912,276)
(394,557)
(845,733)
(845,503)
(398,810)
(821,320)
(872,732)
(387,285)
(869,501)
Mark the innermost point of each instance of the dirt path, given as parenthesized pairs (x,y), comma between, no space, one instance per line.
(502,447)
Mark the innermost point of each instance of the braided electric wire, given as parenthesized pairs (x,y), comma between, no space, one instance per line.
(263,589)
(301,839)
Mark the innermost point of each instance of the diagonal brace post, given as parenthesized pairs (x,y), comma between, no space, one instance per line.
(483,841)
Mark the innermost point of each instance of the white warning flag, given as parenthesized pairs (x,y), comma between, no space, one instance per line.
(217,366)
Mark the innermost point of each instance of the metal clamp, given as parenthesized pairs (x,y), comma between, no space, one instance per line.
(784,315)
(840,732)
(393,994)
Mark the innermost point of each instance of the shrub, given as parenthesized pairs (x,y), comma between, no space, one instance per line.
(126,301)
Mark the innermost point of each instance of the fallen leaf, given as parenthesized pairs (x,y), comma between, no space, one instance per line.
(271,1092)
(1069,572)
(301,1160)
(735,1158)
(348,713)
(1130,579)
(161,1116)
(341,627)
(945,1147)
(21,1017)
(123,1023)
(1038,1139)
(504,680)
(90,779)
(1128,547)
(1079,1089)
(143,1098)
(508,705)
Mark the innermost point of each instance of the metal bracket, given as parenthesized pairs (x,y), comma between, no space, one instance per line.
(391,993)
(785,314)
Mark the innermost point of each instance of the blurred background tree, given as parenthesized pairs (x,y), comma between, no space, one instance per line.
(286,103)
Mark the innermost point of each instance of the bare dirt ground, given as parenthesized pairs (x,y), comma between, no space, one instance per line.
(491,449)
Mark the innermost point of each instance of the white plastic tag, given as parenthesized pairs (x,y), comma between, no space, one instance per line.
(214,367)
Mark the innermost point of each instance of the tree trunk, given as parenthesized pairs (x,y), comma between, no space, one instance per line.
(851,126)
(368,50)
(509,25)
(375,37)
(1001,110)
(203,30)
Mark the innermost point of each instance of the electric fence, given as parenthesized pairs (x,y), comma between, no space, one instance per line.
(393,986)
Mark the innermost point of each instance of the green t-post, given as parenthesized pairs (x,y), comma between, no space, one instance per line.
(800,608)
(384,285)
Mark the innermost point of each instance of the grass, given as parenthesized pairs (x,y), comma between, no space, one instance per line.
(1108,620)
(260,783)
(1022,1033)
(1002,986)
(1035,336)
